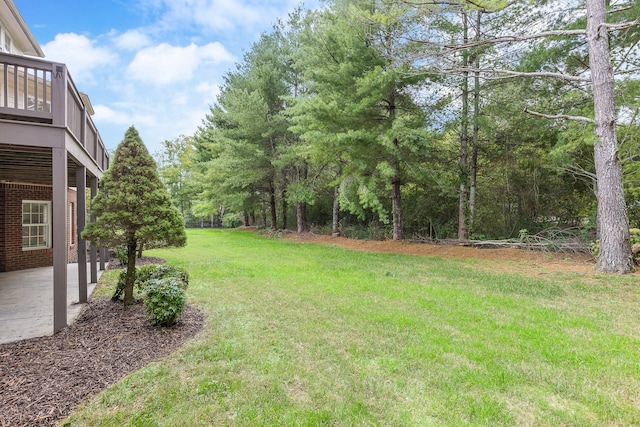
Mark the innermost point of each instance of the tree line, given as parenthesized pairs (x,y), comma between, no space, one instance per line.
(423,118)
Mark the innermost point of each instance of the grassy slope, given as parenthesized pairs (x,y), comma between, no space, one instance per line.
(302,334)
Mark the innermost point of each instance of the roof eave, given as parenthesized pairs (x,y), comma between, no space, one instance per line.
(29,43)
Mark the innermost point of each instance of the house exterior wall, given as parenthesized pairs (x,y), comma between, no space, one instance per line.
(12,256)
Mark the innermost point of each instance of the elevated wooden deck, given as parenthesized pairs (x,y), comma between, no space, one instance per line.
(41,108)
(47,137)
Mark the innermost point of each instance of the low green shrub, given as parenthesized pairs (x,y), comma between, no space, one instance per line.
(142,274)
(121,253)
(145,273)
(122,277)
(167,270)
(165,300)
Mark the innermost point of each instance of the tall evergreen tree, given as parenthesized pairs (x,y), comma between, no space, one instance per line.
(360,106)
(133,208)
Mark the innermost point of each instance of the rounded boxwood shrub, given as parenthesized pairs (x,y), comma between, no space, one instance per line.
(142,275)
(148,272)
(167,270)
(165,300)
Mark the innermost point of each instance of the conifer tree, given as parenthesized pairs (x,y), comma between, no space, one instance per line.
(133,208)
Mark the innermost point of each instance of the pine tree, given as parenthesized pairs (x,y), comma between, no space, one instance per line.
(133,208)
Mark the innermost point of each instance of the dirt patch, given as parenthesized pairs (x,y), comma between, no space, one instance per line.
(503,259)
(43,379)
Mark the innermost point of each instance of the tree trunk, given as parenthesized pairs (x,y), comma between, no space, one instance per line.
(396,182)
(613,222)
(264,215)
(301,216)
(301,207)
(252,217)
(131,272)
(272,205)
(396,199)
(285,207)
(245,218)
(476,130)
(464,139)
(335,221)
(140,248)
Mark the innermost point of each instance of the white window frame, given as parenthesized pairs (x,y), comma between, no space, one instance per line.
(46,234)
(3,34)
(7,43)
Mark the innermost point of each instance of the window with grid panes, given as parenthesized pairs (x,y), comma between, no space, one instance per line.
(36,225)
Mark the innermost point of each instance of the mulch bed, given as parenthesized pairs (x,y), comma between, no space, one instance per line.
(115,263)
(43,379)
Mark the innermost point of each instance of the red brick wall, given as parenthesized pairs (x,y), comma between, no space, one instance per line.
(12,257)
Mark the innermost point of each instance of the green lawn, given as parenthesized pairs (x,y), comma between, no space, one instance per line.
(303,334)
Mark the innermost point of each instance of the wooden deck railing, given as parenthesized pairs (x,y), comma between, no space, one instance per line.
(35,90)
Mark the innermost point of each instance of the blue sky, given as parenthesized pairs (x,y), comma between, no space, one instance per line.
(155,64)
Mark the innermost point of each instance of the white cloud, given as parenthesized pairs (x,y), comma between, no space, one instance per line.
(132,40)
(80,54)
(183,48)
(105,114)
(164,64)
(209,90)
(220,14)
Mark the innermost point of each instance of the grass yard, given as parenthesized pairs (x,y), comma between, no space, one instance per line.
(308,335)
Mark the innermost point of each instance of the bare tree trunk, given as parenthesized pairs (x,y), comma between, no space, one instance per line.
(464,137)
(130,276)
(396,181)
(476,129)
(285,207)
(272,205)
(396,199)
(245,218)
(285,204)
(613,222)
(335,221)
(301,207)
(264,215)
(252,217)
(301,216)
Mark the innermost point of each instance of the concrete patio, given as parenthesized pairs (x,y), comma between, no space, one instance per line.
(26,302)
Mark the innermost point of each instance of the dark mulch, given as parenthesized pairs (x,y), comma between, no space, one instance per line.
(114,263)
(43,379)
